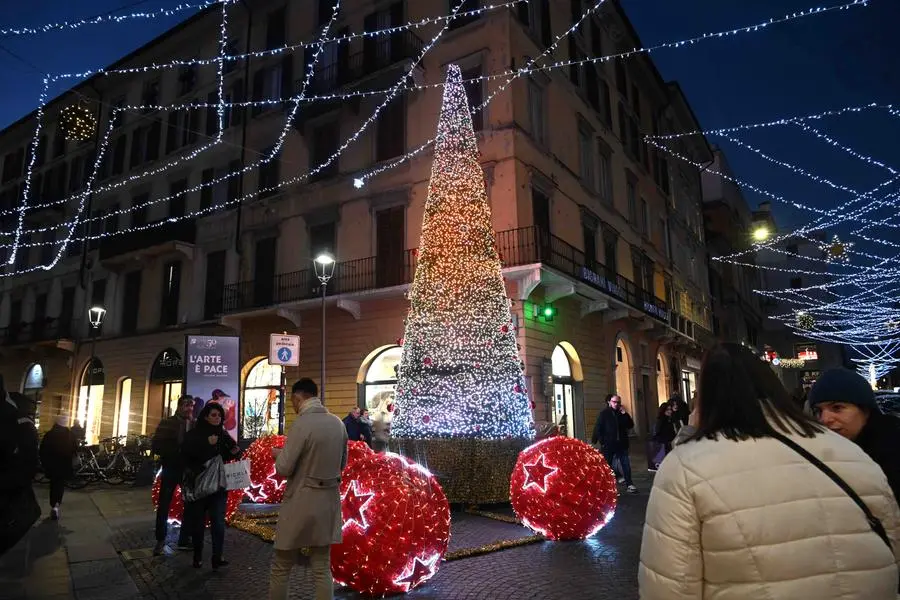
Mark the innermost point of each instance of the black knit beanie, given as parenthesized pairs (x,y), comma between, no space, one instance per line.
(842,385)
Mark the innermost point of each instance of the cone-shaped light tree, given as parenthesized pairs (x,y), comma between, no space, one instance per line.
(460,374)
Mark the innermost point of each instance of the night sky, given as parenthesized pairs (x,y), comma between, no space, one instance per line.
(818,63)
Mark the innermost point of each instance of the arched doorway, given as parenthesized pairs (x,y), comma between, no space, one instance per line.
(567,409)
(123,409)
(165,383)
(31,388)
(260,411)
(90,400)
(624,377)
(377,378)
(663,380)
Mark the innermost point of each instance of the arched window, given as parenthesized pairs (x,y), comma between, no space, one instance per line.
(565,391)
(380,380)
(123,415)
(166,379)
(90,400)
(261,406)
(32,387)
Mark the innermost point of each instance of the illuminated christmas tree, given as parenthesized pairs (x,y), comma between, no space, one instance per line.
(460,374)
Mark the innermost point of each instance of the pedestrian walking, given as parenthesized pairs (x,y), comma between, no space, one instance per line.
(365,427)
(752,505)
(844,402)
(57,452)
(312,459)
(205,441)
(611,432)
(18,463)
(167,443)
(680,411)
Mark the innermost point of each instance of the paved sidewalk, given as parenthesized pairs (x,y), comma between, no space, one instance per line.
(102,548)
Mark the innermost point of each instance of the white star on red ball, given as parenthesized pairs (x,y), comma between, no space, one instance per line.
(536,474)
(353,506)
(417,572)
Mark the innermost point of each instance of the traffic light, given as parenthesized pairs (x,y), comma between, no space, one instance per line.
(545,312)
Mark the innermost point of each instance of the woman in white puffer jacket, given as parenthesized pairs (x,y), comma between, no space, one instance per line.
(736,514)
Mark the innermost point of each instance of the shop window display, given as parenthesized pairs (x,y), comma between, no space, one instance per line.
(260,403)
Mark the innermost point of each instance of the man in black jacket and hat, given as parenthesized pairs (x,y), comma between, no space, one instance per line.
(167,445)
(845,403)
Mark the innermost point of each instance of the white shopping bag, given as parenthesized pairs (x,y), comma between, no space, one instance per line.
(237,475)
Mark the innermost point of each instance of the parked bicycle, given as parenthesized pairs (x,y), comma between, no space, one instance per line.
(114,461)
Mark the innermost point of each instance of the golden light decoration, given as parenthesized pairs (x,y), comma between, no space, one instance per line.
(77,122)
(805,320)
(836,250)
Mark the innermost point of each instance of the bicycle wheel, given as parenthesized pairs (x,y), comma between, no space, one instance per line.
(114,476)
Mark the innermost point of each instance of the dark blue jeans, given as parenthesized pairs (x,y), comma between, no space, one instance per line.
(168,480)
(214,507)
(620,463)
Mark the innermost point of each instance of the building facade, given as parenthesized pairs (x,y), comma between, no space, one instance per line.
(737,313)
(600,236)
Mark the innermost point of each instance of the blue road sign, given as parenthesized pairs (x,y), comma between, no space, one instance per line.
(284,354)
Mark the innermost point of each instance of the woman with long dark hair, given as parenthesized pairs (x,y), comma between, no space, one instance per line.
(760,502)
(205,441)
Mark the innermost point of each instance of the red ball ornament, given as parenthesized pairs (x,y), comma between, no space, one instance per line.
(427,361)
(266,487)
(563,489)
(355,451)
(396,526)
(517,388)
(426,419)
(505,329)
(176,508)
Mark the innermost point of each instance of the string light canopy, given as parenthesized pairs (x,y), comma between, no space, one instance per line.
(221,105)
(77,122)
(460,374)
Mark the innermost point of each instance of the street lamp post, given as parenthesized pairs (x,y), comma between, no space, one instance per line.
(95,317)
(324,264)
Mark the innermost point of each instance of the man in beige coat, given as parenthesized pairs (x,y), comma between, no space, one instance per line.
(309,521)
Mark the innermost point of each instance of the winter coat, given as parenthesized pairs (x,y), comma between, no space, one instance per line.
(754,520)
(665,430)
(611,430)
(880,439)
(354,428)
(196,449)
(57,450)
(313,457)
(18,444)
(167,442)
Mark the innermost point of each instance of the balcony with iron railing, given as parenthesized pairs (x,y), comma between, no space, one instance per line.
(516,247)
(155,237)
(41,330)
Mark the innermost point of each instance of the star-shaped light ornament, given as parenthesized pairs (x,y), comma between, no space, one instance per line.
(836,250)
(354,503)
(417,571)
(536,474)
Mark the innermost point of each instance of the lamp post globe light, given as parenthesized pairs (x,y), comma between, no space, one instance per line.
(96,313)
(324,264)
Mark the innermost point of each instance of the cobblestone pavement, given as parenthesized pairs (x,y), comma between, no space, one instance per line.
(101,548)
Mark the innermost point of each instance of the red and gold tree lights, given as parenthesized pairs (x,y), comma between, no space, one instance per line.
(396,525)
(563,489)
(460,375)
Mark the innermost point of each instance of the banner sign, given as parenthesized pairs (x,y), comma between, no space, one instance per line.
(213,373)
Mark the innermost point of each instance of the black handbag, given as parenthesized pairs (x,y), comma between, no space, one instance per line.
(874,522)
(20,511)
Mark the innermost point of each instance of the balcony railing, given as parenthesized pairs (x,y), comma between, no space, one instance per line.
(523,246)
(349,276)
(51,328)
(178,231)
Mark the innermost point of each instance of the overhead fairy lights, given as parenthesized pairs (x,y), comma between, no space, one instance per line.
(460,375)
(199,62)
(514,73)
(511,75)
(70,25)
